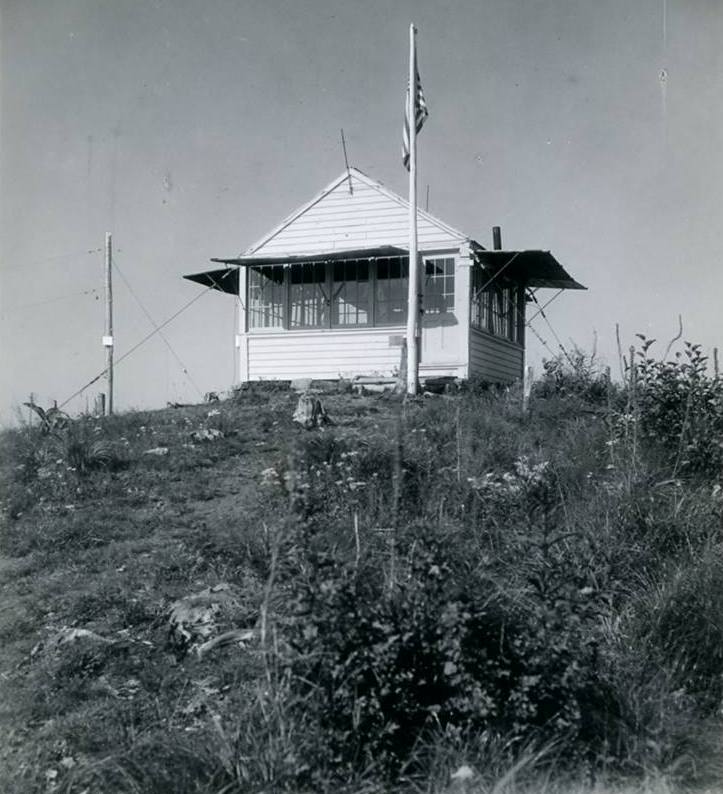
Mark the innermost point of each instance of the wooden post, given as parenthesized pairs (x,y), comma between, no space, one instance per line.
(716,371)
(402,376)
(108,338)
(413,291)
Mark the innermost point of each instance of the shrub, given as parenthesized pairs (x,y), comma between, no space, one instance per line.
(680,408)
(574,374)
(443,647)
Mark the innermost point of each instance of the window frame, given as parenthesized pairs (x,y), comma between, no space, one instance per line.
(329,323)
(335,292)
(309,300)
(448,280)
(403,278)
(258,307)
(501,313)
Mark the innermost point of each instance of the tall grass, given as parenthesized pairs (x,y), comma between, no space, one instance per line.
(442,584)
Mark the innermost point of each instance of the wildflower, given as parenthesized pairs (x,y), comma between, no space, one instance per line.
(270,477)
(464,773)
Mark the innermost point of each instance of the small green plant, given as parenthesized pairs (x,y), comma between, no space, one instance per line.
(686,628)
(679,408)
(573,374)
(441,647)
(428,586)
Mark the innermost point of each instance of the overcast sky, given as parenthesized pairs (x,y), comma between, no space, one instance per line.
(593,128)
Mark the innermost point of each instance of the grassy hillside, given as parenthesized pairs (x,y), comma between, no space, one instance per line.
(534,601)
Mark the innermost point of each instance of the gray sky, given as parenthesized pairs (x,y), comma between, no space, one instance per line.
(189,129)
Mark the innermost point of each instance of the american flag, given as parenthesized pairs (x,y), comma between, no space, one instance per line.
(420,116)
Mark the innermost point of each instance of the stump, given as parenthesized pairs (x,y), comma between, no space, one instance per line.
(310,412)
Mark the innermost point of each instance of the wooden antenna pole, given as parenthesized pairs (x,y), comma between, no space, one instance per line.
(346,161)
(108,338)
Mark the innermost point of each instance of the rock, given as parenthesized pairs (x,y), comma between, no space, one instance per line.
(66,637)
(193,621)
(206,434)
(373,388)
(239,637)
(301,384)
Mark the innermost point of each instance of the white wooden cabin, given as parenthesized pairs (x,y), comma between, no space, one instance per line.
(324,294)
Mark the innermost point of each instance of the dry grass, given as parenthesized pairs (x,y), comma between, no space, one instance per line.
(102,536)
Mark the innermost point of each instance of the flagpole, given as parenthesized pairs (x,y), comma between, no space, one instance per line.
(413,292)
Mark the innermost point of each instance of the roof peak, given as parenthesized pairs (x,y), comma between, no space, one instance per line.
(375,184)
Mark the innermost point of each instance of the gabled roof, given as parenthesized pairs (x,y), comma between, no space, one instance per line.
(356,217)
(353,211)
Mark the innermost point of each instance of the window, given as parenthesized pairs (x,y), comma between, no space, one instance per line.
(391,291)
(342,294)
(439,285)
(480,309)
(496,307)
(350,293)
(500,310)
(308,296)
(266,297)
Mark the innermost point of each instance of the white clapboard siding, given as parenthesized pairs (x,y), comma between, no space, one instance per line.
(324,354)
(330,355)
(368,216)
(493,359)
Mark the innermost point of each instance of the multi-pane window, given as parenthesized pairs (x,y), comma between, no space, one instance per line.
(267,297)
(345,293)
(350,293)
(439,285)
(391,293)
(496,307)
(480,308)
(499,311)
(308,296)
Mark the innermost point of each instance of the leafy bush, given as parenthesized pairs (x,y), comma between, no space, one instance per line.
(574,374)
(680,408)
(440,573)
(442,646)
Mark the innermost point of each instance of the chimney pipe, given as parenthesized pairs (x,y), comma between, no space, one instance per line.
(496,238)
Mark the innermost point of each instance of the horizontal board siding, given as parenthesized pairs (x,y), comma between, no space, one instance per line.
(324,354)
(494,359)
(364,218)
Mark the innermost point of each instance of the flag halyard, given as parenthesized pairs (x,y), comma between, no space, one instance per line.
(420,115)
